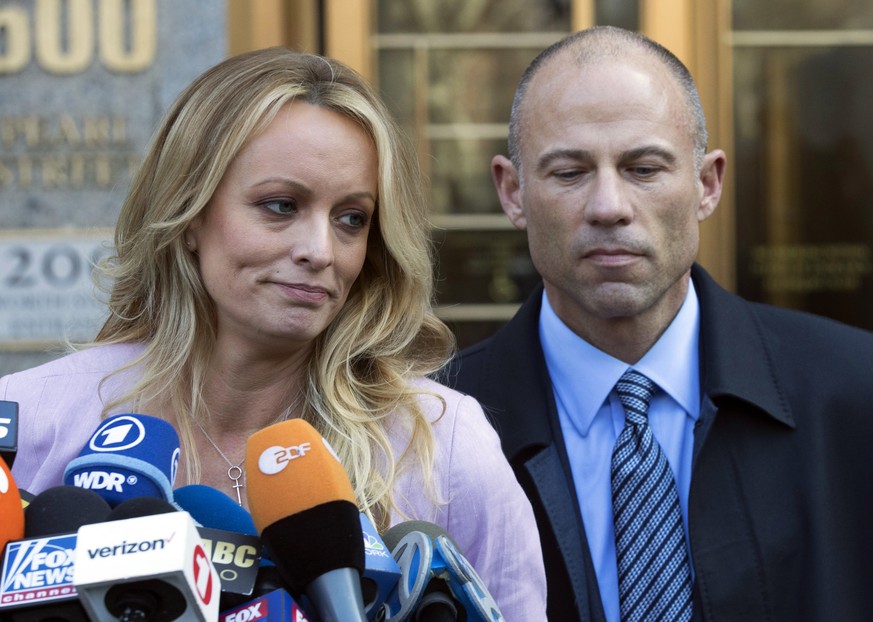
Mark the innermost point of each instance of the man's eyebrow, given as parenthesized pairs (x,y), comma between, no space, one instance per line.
(650,150)
(562,154)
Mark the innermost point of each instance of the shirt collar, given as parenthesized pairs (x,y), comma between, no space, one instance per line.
(583,375)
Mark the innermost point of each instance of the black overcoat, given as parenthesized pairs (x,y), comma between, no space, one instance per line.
(781,500)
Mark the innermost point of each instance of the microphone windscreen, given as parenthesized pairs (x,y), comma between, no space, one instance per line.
(290,468)
(140,506)
(447,565)
(63,509)
(11,510)
(302,503)
(128,456)
(395,534)
(214,509)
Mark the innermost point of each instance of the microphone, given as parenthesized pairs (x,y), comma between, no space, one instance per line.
(11,510)
(303,505)
(8,431)
(381,572)
(128,456)
(212,508)
(140,506)
(63,509)
(26,497)
(229,537)
(151,567)
(275,606)
(36,584)
(438,583)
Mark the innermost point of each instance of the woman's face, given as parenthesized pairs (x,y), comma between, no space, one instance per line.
(285,235)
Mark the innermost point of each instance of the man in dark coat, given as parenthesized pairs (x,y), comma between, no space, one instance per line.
(764,414)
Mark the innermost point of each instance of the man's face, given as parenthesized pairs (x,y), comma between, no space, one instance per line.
(609,193)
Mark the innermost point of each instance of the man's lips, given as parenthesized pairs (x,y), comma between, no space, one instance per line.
(612,256)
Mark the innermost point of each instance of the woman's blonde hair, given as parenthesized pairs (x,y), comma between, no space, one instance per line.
(386,333)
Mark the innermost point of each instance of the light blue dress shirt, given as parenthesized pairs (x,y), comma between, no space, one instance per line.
(592,417)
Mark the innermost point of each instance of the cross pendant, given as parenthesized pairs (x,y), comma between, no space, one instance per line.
(235,473)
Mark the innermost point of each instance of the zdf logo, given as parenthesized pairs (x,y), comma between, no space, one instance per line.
(273,459)
(117,434)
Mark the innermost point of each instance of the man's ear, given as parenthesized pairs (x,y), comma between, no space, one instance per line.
(506,182)
(711,180)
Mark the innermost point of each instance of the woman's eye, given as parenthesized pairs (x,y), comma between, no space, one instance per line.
(354,219)
(281,206)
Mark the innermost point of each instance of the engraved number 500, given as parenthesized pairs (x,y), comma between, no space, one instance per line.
(63,38)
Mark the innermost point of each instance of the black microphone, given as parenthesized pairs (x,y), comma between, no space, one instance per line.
(145,562)
(438,584)
(63,509)
(36,584)
(8,431)
(140,506)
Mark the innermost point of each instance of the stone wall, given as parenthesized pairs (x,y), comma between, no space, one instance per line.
(83,85)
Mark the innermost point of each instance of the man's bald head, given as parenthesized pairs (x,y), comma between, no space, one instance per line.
(600,43)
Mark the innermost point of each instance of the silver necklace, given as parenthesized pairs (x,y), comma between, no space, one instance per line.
(235,471)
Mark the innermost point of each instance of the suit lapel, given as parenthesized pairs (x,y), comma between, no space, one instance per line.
(547,473)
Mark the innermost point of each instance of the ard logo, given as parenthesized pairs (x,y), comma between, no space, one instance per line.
(118,434)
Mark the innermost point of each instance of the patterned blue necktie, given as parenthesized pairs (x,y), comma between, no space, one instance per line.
(654,573)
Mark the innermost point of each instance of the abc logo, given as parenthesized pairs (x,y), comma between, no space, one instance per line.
(117,434)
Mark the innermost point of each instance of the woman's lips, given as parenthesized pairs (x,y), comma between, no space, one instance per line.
(307,293)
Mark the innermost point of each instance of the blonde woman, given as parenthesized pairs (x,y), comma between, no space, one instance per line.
(273,261)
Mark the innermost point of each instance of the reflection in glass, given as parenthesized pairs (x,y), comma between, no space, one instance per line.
(448,69)
(804,190)
(802,14)
(483,267)
(461,178)
(455,105)
(622,13)
(471,15)
(474,86)
(397,85)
